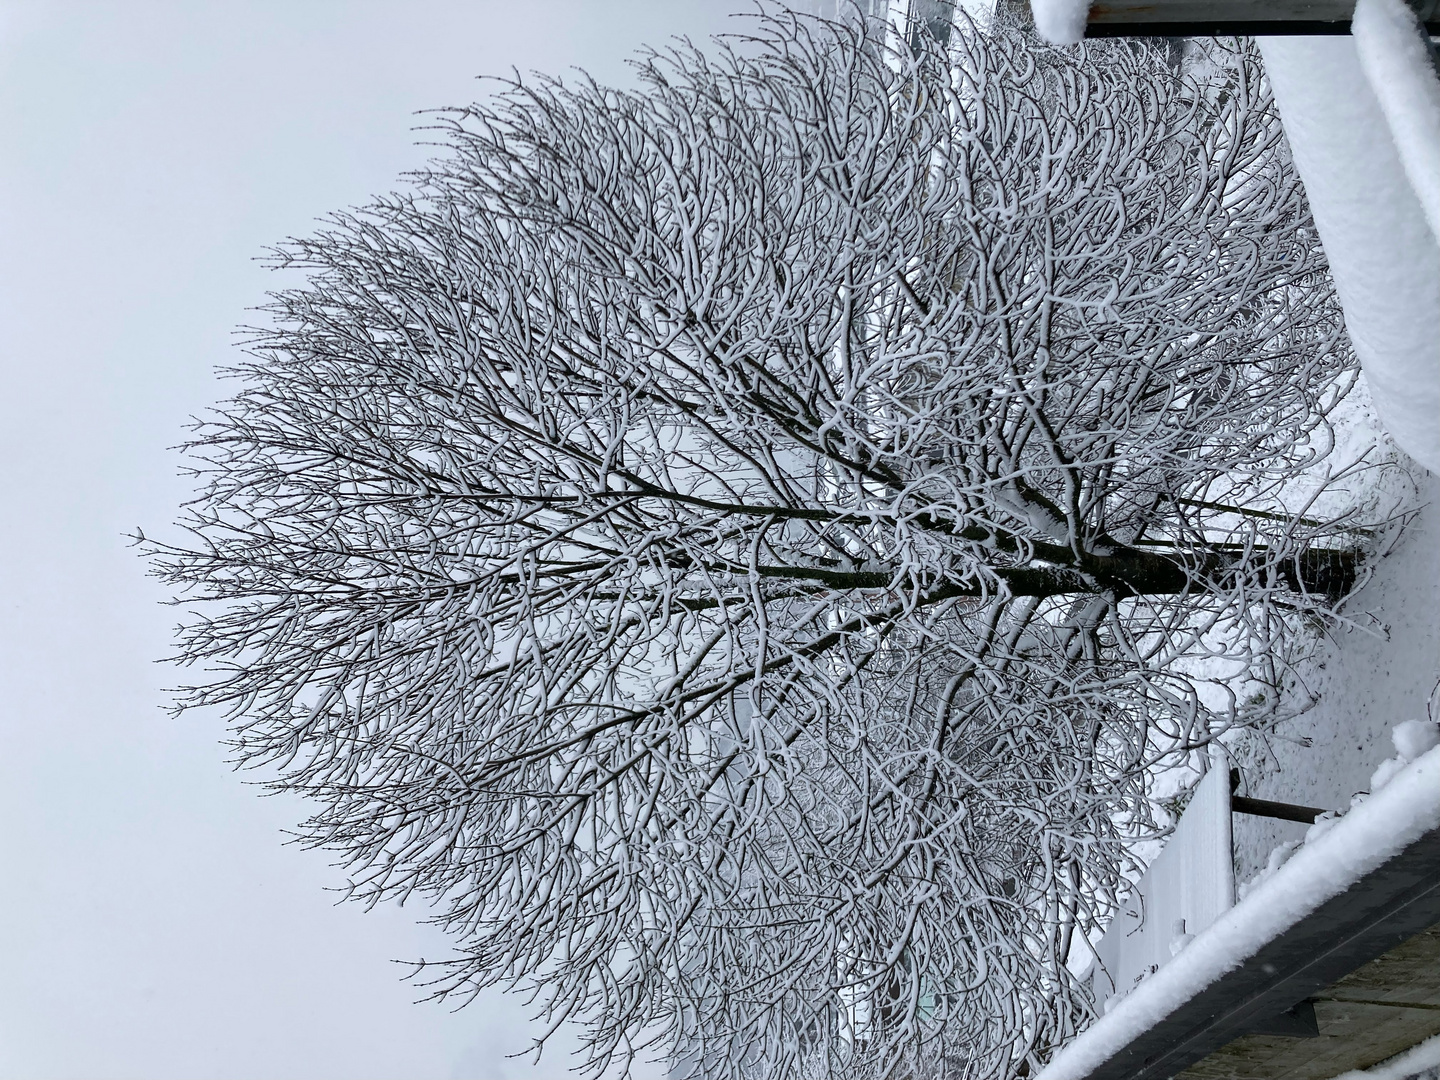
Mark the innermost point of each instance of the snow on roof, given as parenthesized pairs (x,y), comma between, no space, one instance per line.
(1375,831)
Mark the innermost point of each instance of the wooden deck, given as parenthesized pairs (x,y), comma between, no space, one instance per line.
(1377,1011)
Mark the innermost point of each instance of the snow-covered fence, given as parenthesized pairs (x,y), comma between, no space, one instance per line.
(1190,884)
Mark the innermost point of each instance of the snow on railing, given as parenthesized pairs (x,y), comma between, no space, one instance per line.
(1400,64)
(1417,1059)
(1382,254)
(1363,117)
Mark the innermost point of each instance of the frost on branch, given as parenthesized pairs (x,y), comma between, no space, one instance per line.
(733,547)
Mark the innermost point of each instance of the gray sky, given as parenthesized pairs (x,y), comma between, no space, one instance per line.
(151,922)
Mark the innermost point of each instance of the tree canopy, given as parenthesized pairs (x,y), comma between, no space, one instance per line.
(735,545)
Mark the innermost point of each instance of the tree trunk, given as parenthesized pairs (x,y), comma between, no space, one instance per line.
(1328,572)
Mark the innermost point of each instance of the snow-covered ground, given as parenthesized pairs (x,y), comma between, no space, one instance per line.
(1367,680)
(1369,211)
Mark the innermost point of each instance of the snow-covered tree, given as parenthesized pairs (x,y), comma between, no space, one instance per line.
(736,546)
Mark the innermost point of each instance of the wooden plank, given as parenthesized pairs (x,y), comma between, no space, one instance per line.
(1306,815)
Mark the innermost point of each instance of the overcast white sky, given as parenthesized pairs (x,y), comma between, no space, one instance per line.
(152,925)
